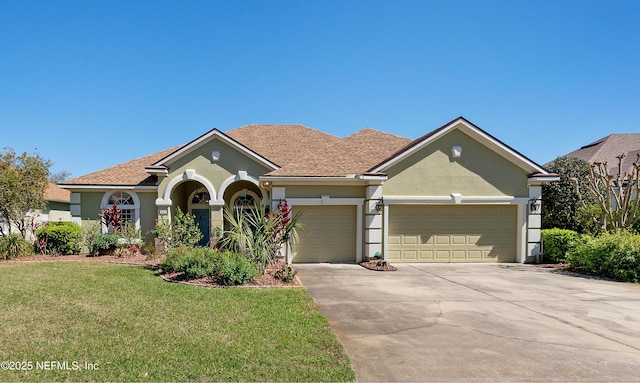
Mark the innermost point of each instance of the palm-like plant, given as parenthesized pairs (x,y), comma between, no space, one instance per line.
(260,235)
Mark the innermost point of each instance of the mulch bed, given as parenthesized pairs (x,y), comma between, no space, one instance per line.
(378,266)
(265,280)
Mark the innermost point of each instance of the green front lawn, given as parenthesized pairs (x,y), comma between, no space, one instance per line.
(86,321)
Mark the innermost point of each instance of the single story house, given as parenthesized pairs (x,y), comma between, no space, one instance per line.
(58,204)
(57,209)
(456,194)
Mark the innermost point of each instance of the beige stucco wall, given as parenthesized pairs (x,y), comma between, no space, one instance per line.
(90,205)
(316,191)
(432,171)
(148,214)
(231,161)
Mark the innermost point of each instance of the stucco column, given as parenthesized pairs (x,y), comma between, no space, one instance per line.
(217,215)
(534,222)
(372,222)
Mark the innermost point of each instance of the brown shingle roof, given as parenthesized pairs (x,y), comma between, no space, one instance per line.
(352,155)
(129,173)
(54,193)
(608,148)
(282,144)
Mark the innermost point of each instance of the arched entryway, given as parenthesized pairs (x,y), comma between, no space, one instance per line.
(241,196)
(192,197)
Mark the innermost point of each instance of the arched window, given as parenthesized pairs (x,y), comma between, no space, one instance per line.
(244,201)
(121,198)
(201,198)
(127,202)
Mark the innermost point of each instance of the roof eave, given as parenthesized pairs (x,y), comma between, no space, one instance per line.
(107,186)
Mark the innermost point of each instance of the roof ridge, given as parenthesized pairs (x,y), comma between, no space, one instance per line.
(300,125)
(377,131)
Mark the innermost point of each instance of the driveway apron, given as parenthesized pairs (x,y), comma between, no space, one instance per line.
(471,322)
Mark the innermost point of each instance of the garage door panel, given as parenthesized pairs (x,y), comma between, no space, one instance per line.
(329,234)
(452,233)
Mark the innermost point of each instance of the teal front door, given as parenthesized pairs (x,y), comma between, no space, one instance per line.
(202,220)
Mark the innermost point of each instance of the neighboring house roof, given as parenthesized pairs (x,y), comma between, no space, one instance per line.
(54,193)
(608,148)
(299,151)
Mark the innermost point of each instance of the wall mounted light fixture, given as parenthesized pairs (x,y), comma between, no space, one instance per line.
(379,205)
(534,205)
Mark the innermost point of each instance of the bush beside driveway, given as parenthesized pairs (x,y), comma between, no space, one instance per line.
(470,322)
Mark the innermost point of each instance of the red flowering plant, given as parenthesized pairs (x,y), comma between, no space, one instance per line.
(111,218)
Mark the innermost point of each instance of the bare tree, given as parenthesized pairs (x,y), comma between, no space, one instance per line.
(616,194)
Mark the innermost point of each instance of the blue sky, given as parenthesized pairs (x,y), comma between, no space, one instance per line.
(89,84)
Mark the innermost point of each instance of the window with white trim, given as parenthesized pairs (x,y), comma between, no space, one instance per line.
(127,202)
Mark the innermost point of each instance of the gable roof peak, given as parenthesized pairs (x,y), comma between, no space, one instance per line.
(468,128)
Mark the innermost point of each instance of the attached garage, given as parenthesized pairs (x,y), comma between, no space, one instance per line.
(446,233)
(329,234)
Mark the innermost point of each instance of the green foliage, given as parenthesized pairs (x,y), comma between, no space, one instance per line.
(129,233)
(557,242)
(61,237)
(234,268)
(194,262)
(14,245)
(612,255)
(199,262)
(260,235)
(23,182)
(560,202)
(285,273)
(103,242)
(181,231)
(90,231)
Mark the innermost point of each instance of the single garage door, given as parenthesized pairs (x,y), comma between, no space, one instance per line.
(329,234)
(452,233)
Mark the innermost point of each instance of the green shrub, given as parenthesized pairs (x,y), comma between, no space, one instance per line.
(194,262)
(611,255)
(557,242)
(103,242)
(61,237)
(199,262)
(234,269)
(14,245)
(181,231)
(285,273)
(90,230)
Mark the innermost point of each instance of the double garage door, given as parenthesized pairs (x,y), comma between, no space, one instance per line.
(416,234)
(329,234)
(452,233)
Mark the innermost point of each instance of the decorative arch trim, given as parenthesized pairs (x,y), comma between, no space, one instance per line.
(188,175)
(241,176)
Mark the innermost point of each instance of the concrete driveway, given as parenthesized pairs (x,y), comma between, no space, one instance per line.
(468,322)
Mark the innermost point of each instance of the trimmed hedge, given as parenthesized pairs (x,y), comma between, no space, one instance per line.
(557,242)
(611,255)
(61,237)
